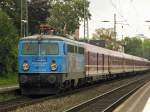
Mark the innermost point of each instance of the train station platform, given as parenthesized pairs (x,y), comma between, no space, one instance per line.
(138,102)
(10,88)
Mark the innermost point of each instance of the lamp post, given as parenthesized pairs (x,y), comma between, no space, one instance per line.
(24,18)
(115,33)
(86,24)
(24,25)
(21,19)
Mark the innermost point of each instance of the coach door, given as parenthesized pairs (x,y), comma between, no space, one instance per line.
(87,63)
(103,64)
(109,64)
(97,62)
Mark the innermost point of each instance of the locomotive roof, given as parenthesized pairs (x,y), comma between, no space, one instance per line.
(90,47)
(34,37)
(48,37)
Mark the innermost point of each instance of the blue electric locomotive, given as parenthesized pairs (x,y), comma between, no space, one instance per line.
(48,64)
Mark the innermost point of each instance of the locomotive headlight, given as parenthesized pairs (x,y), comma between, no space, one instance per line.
(53,66)
(25,66)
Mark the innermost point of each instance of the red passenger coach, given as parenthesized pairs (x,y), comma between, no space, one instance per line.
(102,63)
(97,62)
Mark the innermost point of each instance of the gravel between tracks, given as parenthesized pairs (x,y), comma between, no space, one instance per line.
(63,103)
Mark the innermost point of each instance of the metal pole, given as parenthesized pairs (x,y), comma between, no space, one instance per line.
(86,24)
(84,21)
(122,40)
(27,18)
(87,29)
(115,33)
(24,18)
(21,20)
(24,27)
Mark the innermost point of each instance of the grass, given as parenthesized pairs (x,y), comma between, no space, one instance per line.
(7,97)
(5,81)
(9,80)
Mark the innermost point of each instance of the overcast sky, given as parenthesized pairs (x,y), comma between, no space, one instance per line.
(131,13)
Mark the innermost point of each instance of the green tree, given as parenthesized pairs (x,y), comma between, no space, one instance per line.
(107,35)
(146,48)
(13,10)
(103,34)
(134,46)
(66,15)
(8,45)
(38,14)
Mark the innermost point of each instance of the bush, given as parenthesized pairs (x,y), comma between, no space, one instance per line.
(8,45)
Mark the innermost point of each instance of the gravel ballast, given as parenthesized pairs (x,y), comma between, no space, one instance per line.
(63,103)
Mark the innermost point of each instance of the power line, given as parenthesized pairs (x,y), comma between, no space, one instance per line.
(115,7)
(136,13)
(118,11)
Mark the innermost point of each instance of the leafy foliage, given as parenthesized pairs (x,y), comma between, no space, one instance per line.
(133,46)
(13,10)
(107,34)
(104,34)
(63,13)
(146,48)
(8,45)
(66,15)
(38,13)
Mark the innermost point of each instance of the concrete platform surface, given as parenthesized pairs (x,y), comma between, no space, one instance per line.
(4,89)
(138,102)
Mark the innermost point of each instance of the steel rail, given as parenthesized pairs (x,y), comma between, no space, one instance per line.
(26,101)
(22,102)
(112,105)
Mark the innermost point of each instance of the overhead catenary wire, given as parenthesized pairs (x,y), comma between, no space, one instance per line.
(121,15)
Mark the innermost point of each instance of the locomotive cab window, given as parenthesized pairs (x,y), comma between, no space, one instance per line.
(49,49)
(30,48)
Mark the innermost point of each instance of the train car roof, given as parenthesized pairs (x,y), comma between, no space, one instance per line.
(89,47)
(51,37)
(105,51)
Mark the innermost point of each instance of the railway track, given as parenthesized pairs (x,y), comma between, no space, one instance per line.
(25,101)
(22,101)
(108,101)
